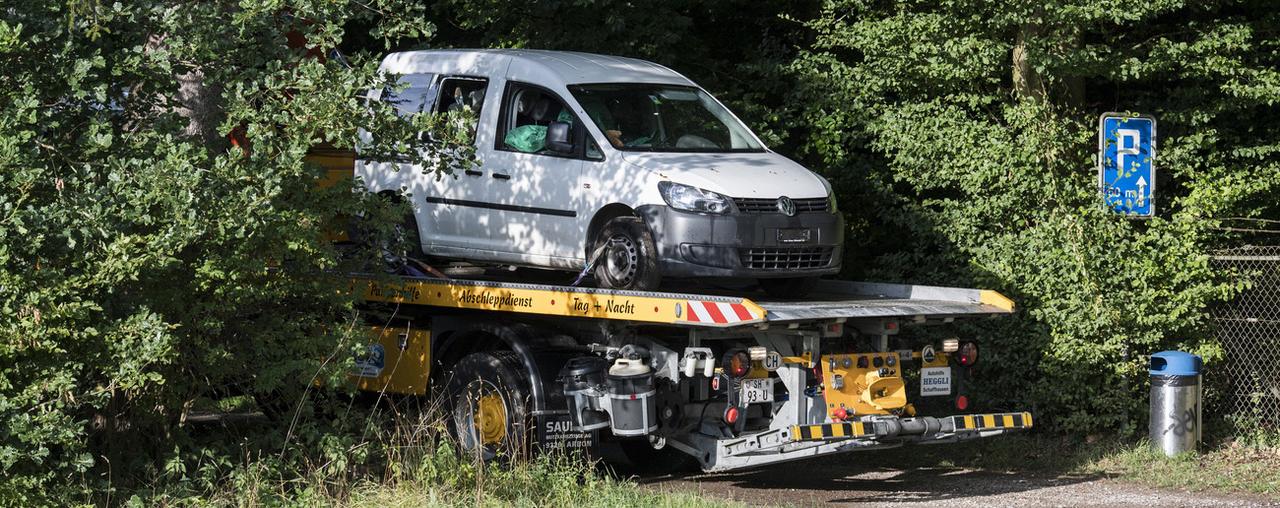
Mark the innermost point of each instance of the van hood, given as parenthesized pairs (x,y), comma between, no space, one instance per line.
(736,175)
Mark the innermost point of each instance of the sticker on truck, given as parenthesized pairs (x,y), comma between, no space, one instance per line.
(935,381)
(370,363)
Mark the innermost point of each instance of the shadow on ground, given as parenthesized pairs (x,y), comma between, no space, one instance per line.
(902,475)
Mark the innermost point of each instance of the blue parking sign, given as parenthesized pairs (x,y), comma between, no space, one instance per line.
(1127,163)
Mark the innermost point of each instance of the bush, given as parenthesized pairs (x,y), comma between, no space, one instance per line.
(980,170)
(145,261)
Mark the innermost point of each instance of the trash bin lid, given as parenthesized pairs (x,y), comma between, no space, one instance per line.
(1175,363)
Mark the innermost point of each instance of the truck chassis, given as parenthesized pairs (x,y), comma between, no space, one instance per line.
(730,381)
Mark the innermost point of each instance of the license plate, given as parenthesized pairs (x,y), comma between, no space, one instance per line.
(757,390)
(935,381)
(795,235)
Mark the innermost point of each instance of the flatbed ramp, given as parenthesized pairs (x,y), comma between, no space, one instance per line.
(830,300)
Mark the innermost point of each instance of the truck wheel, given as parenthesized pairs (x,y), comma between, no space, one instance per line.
(788,288)
(630,258)
(486,399)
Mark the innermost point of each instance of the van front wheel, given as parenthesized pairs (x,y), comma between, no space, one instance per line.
(629,259)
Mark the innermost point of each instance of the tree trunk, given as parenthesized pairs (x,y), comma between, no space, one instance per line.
(1027,85)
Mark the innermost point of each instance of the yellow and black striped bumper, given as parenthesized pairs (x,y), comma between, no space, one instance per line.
(829,431)
(959,424)
(992,421)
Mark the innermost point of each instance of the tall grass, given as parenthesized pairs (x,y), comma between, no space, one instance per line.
(393,455)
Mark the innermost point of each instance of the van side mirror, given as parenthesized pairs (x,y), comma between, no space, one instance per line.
(558,138)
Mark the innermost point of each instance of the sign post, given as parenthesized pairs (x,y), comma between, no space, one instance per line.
(1126,163)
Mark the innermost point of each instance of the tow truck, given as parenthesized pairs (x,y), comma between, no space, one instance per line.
(729,380)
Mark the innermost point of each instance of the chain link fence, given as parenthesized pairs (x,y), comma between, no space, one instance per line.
(1249,330)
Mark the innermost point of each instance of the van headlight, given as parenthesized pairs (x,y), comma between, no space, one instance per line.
(692,199)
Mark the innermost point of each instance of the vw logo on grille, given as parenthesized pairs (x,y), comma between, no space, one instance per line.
(787,206)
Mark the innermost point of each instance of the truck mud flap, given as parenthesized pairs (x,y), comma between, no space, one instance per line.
(555,433)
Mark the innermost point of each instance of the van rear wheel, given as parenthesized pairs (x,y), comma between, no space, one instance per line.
(630,258)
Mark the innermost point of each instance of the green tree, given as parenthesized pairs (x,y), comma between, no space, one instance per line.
(971,126)
(959,136)
(144,260)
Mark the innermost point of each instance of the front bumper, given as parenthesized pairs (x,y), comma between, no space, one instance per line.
(743,245)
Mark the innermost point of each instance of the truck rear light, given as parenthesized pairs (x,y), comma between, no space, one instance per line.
(950,345)
(962,402)
(736,363)
(731,415)
(968,354)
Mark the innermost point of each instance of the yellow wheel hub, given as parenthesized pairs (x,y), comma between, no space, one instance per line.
(491,419)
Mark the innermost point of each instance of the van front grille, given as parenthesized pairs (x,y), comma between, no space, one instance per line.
(786,258)
(758,205)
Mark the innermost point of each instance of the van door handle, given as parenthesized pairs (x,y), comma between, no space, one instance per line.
(472,172)
(502,176)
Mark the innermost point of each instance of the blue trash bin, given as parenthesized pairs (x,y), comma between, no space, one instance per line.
(1175,401)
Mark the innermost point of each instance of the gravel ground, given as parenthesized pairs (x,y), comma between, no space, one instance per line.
(820,482)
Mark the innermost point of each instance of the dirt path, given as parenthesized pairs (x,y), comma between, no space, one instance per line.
(829,482)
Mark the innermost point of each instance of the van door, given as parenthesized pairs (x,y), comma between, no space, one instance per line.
(534,189)
(448,223)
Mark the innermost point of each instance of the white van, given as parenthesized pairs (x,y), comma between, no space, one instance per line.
(582,154)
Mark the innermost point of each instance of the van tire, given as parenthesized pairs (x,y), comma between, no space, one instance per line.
(404,242)
(630,259)
(478,381)
(797,287)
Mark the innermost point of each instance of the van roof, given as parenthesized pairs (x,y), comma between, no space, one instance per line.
(547,68)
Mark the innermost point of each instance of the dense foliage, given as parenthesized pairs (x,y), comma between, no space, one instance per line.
(144,261)
(960,136)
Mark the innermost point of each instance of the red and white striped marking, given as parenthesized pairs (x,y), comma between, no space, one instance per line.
(717,312)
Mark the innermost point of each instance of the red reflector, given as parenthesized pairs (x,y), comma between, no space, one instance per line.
(962,402)
(731,415)
(891,325)
(968,354)
(633,396)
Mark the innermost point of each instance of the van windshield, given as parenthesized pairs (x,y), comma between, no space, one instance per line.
(663,118)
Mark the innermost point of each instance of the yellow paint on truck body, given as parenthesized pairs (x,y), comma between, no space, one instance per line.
(406,361)
(995,299)
(339,169)
(863,391)
(661,308)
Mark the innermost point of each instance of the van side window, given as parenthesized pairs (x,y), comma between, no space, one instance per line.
(593,150)
(463,94)
(526,113)
(415,94)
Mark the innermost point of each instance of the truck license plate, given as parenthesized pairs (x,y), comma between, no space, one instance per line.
(795,235)
(935,381)
(757,390)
